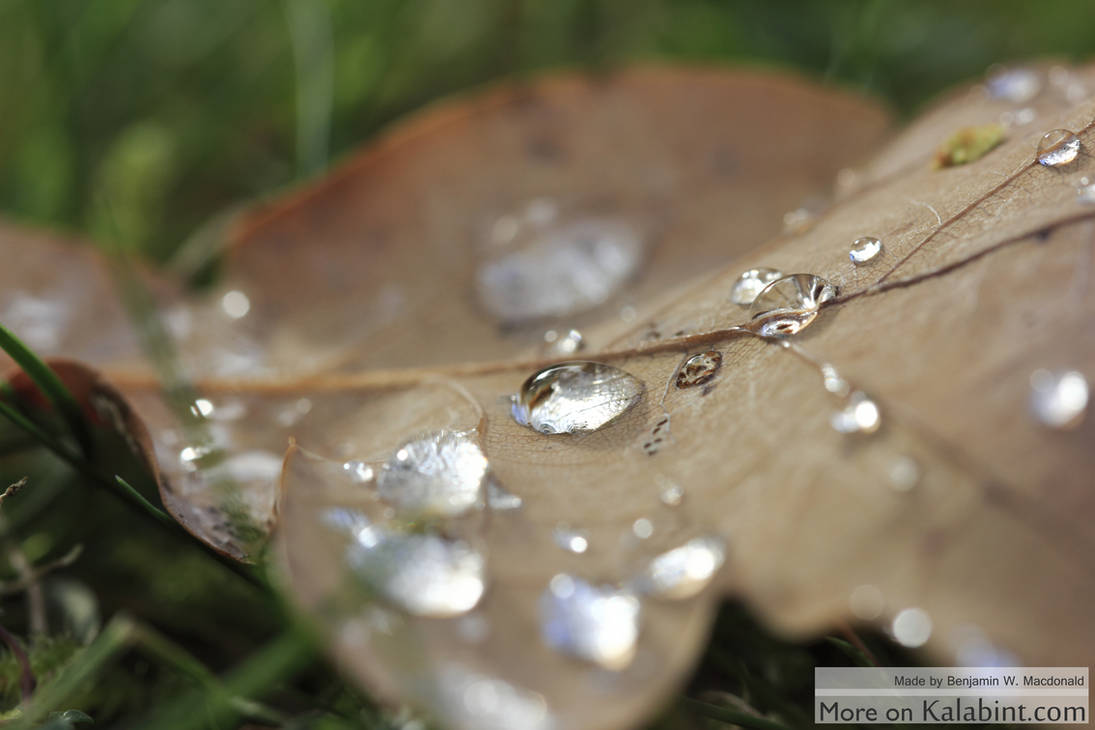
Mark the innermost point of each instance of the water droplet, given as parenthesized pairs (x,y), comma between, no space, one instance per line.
(912,627)
(628,313)
(1018,118)
(866,602)
(642,528)
(860,415)
(1068,84)
(500,499)
(864,250)
(470,700)
(834,382)
(751,283)
(563,270)
(848,181)
(671,494)
(683,571)
(599,624)
(235,304)
(424,574)
(788,305)
(202,407)
(439,475)
(575,397)
(1058,147)
(799,220)
(190,456)
(291,415)
(904,473)
(563,345)
(699,369)
(1017,85)
(358,471)
(571,540)
(1085,191)
(1058,399)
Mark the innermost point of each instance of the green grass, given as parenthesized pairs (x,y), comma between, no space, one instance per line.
(141,122)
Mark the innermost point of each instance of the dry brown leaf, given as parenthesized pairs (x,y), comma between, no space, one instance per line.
(984,277)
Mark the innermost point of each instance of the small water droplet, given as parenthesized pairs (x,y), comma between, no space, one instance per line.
(683,571)
(424,574)
(912,627)
(1058,147)
(191,456)
(671,494)
(1018,118)
(864,250)
(358,471)
(500,499)
(1085,191)
(848,181)
(291,414)
(904,473)
(235,304)
(799,220)
(860,415)
(788,305)
(642,528)
(628,313)
(1017,85)
(575,397)
(439,475)
(699,369)
(1058,399)
(866,602)
(571,540)
(202,407)
(599,624)
(563,345)
(834,382)
(751,283)
(1068,84)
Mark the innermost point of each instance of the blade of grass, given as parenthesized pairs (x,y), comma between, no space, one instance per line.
(731,716)
(50,385)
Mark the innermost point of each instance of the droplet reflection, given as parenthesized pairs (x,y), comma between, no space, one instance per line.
(599,624)
(575,397)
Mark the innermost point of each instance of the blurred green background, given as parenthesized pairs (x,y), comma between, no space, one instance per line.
(175,110)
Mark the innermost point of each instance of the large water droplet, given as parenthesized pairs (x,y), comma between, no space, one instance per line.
(699,369)
(751,283)
(1058,147)
(1017,85)
(439,475)
(599,624)
(859,415)
(424,574)
(864,250)
(789,305)
(575,397)
(1058,399)
(684,571)
(563,270)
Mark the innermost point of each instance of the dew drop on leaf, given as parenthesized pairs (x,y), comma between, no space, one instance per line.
(575,397)
(683,571)
(1058,399)
(563,344)
(571,540)
(699,369)
(864,250)
(438,475)
(859,415)
(1058,147)
(751,283)
(599,624)
(788,305)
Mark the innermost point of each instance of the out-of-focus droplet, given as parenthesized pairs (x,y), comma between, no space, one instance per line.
(564,269)
(424,574)
(904,473)
(358,471)
(833,381)
(1016,85)
(471,700)
(848,181)
(501,499)
(866,602)
(202,407)
(788,305)
(235,304)
(599,624)
(912,627)
(751,283)
(1085,191)
(1058,147)
(1018,118)
(859,415)
(683,571)
(438,475)
(864,250)
(571,540)
(642,528)
(1058,399)
(1068,84)
(563,345)
(191,456)
(801,219)
(699,369)
(670,493)
(575,397)
(291,414)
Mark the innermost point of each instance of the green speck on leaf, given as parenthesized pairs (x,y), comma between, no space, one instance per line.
(968,144)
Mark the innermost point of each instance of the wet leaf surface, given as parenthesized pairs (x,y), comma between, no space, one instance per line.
(879,466)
